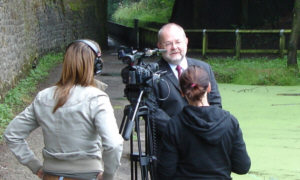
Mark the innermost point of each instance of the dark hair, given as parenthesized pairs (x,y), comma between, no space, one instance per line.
(194,82)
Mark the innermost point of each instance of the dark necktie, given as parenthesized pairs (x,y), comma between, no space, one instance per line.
(178,68)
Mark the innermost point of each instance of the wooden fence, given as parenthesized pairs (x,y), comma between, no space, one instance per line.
(147,37)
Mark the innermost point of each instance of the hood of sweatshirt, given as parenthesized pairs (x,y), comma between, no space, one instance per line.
(207,122)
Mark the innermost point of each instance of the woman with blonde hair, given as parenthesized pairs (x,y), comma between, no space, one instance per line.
(80,132)
(202,141)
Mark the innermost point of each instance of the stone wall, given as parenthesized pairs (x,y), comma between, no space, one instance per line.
(31,28)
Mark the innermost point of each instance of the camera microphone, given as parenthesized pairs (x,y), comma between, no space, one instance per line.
(150,52)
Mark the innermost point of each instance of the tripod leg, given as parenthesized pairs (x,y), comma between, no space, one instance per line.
(140,153)
(131,159)
(144,155)
(147,155)
(150,147)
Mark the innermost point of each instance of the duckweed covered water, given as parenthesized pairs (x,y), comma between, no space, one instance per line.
(270,123)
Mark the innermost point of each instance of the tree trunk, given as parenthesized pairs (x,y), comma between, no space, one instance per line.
(292,48)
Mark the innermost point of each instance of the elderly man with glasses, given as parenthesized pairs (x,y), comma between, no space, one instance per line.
(167,100)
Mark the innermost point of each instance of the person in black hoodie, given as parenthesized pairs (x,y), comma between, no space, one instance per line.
(203,141)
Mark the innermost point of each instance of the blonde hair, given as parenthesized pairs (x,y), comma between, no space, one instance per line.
(78,69)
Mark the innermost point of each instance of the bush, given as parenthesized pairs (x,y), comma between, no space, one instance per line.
(145,11)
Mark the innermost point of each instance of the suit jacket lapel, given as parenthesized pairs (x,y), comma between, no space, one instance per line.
(163,65)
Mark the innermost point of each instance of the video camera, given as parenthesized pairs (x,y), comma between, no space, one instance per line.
(139,78)
(138,75)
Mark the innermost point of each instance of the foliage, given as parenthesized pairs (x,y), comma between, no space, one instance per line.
(254,71)
(21,95)
(112,6)
(144,10)
(78,5)
(5,116)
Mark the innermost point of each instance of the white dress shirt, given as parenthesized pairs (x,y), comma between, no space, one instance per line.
(183,65)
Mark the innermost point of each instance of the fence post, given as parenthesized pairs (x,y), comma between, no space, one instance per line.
(237,44)
(204,43)
(281,43)
(136,31)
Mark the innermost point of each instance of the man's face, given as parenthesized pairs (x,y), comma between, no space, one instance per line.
(175,42)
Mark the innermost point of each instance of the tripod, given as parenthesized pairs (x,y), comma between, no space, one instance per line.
(145,155)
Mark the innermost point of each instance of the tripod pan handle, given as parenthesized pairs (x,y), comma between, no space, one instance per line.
(128,130)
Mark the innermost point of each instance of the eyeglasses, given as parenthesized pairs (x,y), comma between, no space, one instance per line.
(169,44)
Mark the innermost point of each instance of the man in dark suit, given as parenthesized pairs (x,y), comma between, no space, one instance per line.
(166,100)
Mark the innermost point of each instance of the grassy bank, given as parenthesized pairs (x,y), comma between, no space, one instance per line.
(22,94)
(254,71)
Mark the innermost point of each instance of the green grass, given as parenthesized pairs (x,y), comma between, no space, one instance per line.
(254,71)
(271,127)
(22,94)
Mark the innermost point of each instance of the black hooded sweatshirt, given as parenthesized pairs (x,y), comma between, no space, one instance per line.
(202,143)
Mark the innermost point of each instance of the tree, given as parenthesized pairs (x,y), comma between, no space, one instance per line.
(292,47)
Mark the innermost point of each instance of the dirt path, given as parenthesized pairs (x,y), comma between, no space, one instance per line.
(10,169)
